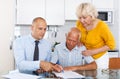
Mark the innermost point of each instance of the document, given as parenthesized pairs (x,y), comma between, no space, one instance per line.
(18,75)
(68,74)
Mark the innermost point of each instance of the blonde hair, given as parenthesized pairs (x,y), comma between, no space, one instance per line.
(86,9)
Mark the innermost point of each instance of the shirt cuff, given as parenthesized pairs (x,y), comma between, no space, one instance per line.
(37,65)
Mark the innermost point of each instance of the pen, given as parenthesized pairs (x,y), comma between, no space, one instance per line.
(62,71)
(83,61)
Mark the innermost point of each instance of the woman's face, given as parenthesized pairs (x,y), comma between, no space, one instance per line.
(86,20)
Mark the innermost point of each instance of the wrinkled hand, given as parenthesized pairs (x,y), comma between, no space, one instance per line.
(46,66)
(88,52)
(57,68)
(70,68)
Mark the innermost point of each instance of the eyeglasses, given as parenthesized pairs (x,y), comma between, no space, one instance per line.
(108,71)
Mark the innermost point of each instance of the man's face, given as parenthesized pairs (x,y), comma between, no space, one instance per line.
(71,40)
(39,29)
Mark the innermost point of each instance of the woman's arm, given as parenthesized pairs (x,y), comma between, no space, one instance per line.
(95,51)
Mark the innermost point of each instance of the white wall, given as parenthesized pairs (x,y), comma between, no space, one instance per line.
(119,26)
(6,33)
(115,27)
(62,29)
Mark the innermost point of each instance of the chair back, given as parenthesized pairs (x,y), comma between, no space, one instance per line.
(114,63)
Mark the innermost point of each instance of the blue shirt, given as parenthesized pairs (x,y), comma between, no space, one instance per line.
(65,57)
(24,52)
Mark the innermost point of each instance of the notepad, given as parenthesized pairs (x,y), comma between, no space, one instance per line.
(68,74)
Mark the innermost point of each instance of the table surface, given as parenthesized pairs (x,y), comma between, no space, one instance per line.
(95,74)
(101,74)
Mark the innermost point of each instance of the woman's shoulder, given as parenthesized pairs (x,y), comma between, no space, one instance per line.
(80,26)
(102,25)
(78,23)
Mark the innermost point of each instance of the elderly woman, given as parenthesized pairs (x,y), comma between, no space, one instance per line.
(95,35)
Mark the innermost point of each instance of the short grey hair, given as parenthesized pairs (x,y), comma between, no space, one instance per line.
(86,9)
(74,30)
(38,20)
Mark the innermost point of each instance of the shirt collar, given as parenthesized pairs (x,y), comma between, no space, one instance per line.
(33,39)
(65,48)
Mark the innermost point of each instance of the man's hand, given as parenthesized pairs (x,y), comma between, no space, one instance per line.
(57,68)
(70,68)
(40,71)
(46,66)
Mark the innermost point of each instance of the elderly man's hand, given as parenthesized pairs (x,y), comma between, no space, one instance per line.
(46,66)
(70,68)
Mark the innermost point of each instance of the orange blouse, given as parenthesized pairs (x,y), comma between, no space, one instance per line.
(97,37)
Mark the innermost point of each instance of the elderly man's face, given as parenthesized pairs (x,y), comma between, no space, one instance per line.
(71,40)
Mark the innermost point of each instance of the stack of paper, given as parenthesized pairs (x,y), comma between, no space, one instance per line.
(68,74)
(18,75)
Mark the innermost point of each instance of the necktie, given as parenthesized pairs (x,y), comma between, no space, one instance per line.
(36,51)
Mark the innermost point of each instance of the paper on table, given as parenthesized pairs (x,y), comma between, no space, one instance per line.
(68,74)
(18,75)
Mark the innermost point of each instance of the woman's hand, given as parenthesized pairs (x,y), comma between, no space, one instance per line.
(88,52)
(95,51)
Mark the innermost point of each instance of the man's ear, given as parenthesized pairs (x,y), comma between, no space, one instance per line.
(31,27)
(66,34)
